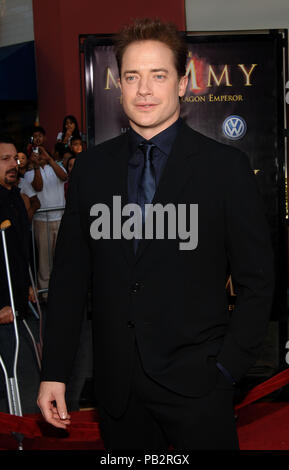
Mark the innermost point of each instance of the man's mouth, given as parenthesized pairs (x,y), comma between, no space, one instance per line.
(145,105)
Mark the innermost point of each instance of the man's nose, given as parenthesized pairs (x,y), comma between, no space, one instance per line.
(14,163)
(144,87)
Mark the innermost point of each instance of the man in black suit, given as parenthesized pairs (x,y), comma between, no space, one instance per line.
(12,208)
(17,236)
(167,353)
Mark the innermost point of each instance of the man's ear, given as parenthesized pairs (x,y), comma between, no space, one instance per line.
(183,85)
(119,84)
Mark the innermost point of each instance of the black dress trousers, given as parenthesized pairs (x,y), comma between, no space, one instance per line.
(158,419)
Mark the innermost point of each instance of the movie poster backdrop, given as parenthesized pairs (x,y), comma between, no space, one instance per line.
(234,95)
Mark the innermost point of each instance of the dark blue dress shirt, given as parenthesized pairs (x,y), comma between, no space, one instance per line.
(163,142)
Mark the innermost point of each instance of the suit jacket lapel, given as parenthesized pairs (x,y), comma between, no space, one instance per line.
(120,153)
(176,173)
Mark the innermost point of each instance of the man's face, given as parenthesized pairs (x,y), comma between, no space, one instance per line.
(8,165)
(38,138)
(150,87)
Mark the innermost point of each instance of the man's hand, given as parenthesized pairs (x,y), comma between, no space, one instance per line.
(34,158)
(6,315)
(31,295)
(58,170)
(44,154)
(51,394)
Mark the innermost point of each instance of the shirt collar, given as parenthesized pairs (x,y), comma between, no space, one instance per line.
(13,190)
(164,140)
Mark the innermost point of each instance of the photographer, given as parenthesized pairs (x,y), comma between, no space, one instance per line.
(38,139)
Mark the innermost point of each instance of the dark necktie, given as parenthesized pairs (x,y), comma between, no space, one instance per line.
(147,185)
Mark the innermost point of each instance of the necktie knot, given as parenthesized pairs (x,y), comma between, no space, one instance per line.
(147,149)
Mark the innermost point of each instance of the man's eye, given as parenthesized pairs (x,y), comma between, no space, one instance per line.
(160,77)
(130,78)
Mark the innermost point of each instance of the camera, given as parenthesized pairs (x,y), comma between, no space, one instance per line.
(35,150)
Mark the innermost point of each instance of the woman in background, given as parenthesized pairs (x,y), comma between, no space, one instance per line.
(70,129)
(24,163)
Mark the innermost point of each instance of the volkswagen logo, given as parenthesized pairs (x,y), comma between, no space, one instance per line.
(234,127)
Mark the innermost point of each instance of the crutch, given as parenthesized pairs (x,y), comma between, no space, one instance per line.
(38,314)
(11,380)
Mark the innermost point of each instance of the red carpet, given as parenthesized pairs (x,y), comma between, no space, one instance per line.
(260,425)
(264,426)
(39,435)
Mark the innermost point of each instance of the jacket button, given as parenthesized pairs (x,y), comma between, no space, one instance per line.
(130,324)
(135,287)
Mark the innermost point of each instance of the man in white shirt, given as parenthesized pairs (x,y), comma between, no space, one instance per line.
(46,224)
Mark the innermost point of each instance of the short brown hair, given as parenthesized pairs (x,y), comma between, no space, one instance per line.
(156,30)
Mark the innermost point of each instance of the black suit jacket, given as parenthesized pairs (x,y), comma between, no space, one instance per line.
(173,303)
(17,240)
